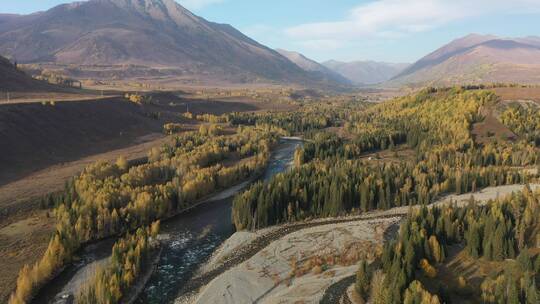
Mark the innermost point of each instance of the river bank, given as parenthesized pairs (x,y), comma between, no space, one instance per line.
(195,236)
(256,266)
(143,279)
(185,228)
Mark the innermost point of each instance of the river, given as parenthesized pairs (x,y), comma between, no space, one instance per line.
(193,237)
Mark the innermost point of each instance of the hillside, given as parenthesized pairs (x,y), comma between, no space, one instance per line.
(477,59)
(12,79)
(149,33)
(66,131)
(365,72)
(313,67)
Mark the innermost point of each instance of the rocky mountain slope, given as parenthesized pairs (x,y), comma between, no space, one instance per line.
(315,68)
(151,33)
(477,59)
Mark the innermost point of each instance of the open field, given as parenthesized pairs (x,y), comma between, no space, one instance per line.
(23,239)
(32,97)
(491,129)
(68,131)
(532,93)
(400,153)
(36,136)
(23,194)
(459,263)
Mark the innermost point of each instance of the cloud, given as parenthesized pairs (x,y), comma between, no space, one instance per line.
(383,18)
(197,4)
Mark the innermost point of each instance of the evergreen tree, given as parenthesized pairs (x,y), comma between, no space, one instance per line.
(363,280)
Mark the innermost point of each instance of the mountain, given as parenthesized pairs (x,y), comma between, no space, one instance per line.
(365,72)
(477,59)
(151,33)
(12,79)
(317,69)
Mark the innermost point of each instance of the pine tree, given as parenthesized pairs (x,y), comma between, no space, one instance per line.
(513,293)
(498,244)
(524,261)
(363,279)
(473,241)
(437,252)
(532,293)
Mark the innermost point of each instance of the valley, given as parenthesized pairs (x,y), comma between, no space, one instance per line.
(29,176)
(151,152)
(272,274)
(331,133)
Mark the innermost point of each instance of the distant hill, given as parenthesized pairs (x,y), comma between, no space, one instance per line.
(366,72)
(317,69)
(12,79)
(150,33)
(477,59)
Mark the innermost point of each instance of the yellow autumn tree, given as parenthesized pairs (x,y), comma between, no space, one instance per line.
(416,291)
(436,250)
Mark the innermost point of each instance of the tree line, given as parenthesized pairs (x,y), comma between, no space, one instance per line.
(524,121)
(109,199)
(338,187)
(423,242)
(129,257)
(330,180)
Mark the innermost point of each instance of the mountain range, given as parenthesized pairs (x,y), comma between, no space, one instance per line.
(366,72)
(347,73)
(157,39)
(477,59)
(314,67)
(160,34)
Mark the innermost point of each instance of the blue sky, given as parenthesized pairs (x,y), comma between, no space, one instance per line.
(382,30)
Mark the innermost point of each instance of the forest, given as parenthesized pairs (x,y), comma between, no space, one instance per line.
(110,199)
(338,171)
(331,178)
(129,256)
(505,231)
(524,121)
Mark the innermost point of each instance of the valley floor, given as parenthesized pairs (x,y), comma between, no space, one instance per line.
(24,193)
(25,229)
(22,240)
(301,266)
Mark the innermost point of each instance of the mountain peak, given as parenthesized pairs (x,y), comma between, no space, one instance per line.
(139,3)
(471,40)
(313,67)
(146,33)
(149,6)
(477,58)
